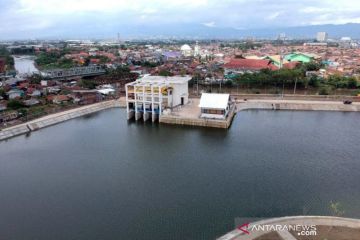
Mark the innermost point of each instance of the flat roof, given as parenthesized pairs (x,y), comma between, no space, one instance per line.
(162,79)
(214,100)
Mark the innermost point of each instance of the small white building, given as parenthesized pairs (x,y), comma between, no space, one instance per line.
(214,105)
(151,95)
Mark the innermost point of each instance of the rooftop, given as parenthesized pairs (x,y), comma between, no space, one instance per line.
(214,100)
(162,79)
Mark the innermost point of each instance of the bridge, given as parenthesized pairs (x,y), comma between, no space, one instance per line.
(73,72)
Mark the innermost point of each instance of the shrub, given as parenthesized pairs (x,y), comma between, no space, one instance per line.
(15,104)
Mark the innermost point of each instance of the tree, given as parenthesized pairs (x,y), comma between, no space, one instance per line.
(312,66)
(324,90)
(36,79)
(229,83)
(2,92)
(15,104)
(165,73)
(314,81)
(352,82)
(88,83)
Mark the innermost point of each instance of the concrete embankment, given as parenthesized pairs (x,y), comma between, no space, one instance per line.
(57,118)
(298,105)
(331,98)
(200,122)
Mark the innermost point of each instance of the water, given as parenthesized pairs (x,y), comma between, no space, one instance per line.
(25,65)
(99,177)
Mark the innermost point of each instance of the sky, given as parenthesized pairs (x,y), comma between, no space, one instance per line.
(66,18)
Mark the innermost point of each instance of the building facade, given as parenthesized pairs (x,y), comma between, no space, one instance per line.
(322,37)
(214,106)
(149,96)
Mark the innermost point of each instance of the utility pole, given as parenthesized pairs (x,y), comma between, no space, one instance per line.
(296,79)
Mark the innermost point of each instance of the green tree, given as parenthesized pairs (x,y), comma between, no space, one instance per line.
(165,73)
(88,83)
(352,82)
(314,81)
(36,79)
(324,90)
(15,104)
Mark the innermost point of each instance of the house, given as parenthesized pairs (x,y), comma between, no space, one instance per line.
(31,102)
(59,99)
(33,92)
(150,95)
(214,105)
(171,56)
(83,97)
(240,66)
(3,107)
(15,93)
(299,57)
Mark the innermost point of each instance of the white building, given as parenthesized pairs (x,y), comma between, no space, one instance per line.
(151,95)
(214,106)
(197,50)
(322,36)
(186,50)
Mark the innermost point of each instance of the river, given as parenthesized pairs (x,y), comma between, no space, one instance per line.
(101,177)
(25,65)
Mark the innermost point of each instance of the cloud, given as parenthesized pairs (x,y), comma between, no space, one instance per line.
(273,16)
(25,18)
(209,24)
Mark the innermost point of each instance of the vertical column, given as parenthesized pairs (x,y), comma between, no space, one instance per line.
(136,103)
(145,113)
(153,117)
(160,101)
(127,100)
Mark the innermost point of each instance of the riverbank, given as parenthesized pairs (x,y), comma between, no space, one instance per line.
(57,118)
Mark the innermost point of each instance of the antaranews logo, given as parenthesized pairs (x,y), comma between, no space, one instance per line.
(248,228)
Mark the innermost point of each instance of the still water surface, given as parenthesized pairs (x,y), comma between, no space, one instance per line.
(100,177)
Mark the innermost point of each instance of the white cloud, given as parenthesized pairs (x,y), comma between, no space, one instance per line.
(273,16)
(67,15)
(209,24)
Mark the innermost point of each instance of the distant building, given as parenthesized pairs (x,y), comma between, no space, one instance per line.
(151,95)
(282,37)
(318,44)
(186,50)
(15,93)
(240,66)
(84,97)
(346,42)
(214,106)
(197,49)
(322,36)
(171,56)
(299,57)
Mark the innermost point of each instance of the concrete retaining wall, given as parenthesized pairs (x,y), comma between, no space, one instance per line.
(200,122)
(301,106)
(57,118)
(296,97)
